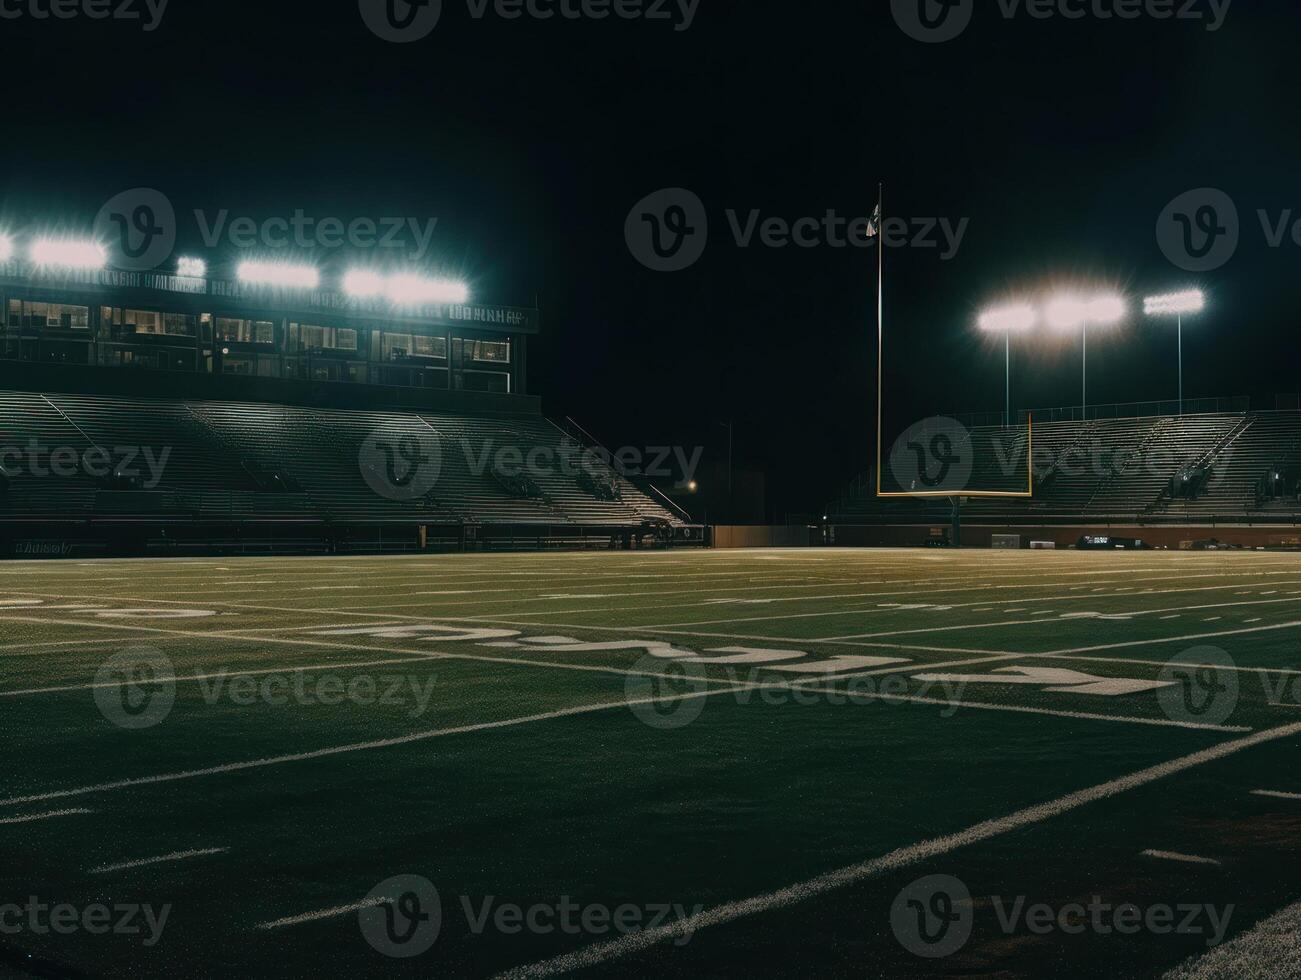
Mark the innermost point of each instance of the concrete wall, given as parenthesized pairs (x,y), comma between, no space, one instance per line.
(1161,536)
(796,536)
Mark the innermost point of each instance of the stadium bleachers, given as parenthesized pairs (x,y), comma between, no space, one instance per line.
(258,462)
(1193,468)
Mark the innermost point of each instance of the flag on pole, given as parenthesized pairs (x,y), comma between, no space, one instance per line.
(874,223)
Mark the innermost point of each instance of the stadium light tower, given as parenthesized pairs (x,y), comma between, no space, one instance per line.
(1178,305)
(1068,312)
(1008,320)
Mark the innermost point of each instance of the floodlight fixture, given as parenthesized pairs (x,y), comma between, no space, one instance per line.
(191,268)
(68,253)
(6,247)
(363,283)
(1175,304)
(415,290)
(1009,319)
(283,274)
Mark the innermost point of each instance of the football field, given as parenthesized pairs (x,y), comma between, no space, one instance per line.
(716,763)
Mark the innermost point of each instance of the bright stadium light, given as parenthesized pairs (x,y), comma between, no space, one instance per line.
(1069,312)
(410,290)
(363,283)
(6,247)
(1008,320)
(1066,312)
(1178,305)
(278,274)
(1175,304)
(1105,311)
(191,268)
(68,253)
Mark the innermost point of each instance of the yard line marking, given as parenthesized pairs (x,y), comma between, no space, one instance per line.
(19,647)
(1027,710)
(1276,794)
(29,817)
(161,859)
(385,743)
(604,952)
(1168,639)
(1184,858)
(218,675)
(1269,948)
(296,920)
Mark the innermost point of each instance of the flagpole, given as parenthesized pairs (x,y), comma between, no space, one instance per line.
(880,322)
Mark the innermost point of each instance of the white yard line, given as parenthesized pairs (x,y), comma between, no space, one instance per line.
(1276,794)
(334,913)
(30,817)
(1266,952)
(1027,710)
(1181,858)
(161,859)
(605,952)
(219,675)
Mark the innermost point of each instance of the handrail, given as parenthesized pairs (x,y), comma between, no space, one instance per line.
(640,483)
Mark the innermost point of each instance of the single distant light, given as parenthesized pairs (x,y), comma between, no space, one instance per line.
(1066,312)
(191,268)
(362,282)
(1175,304)
(1009,319)
(6,248)
(1107,310)
(693,486)
(415,290)
(278,274)
(69,253)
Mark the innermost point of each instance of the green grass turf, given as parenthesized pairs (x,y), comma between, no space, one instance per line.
(747,792)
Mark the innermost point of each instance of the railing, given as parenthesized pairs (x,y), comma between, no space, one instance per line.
(1140,410)
(581,435)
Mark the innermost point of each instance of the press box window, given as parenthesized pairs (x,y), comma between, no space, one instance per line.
(246,331)
(57,316)
(493,351)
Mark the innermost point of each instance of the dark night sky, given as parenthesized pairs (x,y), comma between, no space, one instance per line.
(1060,140)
